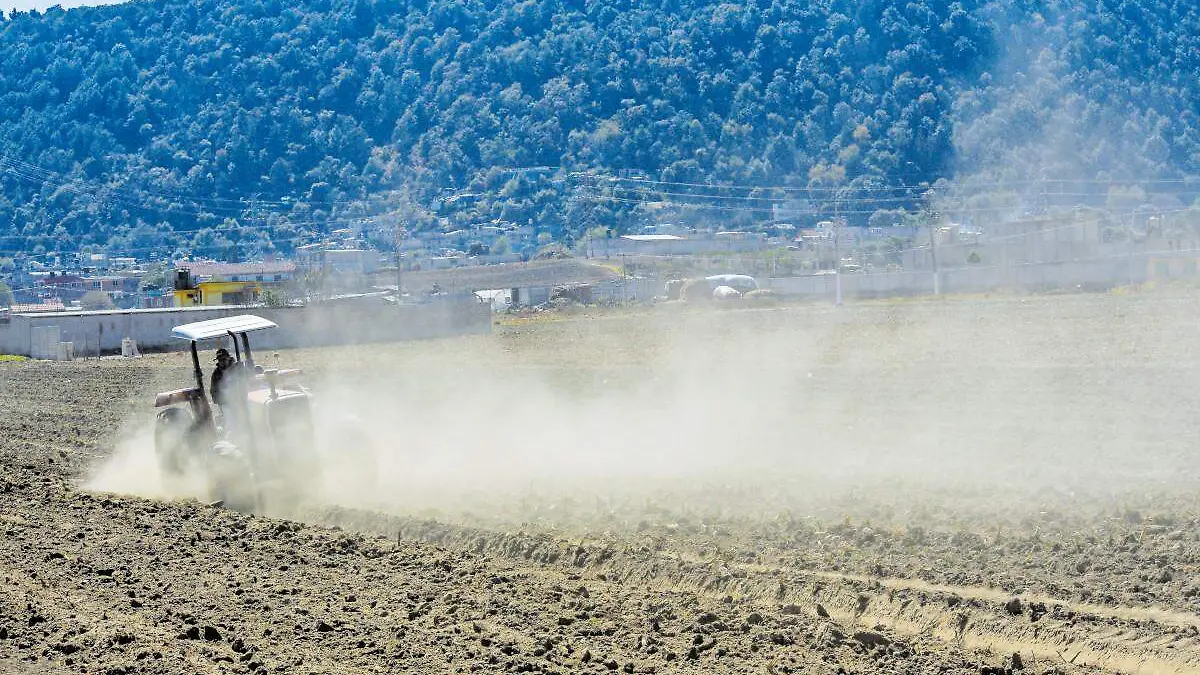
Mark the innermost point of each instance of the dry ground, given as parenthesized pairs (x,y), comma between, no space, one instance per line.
(547,273)
(914,486)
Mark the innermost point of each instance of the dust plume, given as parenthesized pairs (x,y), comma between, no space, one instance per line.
(133,468)
(1033,135)
(1023,401)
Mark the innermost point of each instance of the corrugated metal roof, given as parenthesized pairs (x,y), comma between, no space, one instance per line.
(55,305)
(138,310)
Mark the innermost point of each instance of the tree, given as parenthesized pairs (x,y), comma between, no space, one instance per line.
(6,295)
(155,278)
(272,297)
(272,128)
(96,300)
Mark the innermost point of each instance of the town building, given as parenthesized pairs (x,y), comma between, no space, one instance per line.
(229,283)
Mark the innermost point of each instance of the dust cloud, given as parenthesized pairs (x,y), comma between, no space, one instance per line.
(1004,400)
(133,468)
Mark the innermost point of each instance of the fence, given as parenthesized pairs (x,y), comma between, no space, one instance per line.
(94,333)
(1100,272)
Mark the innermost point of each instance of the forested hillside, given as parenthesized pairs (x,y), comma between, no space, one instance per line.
(207,123)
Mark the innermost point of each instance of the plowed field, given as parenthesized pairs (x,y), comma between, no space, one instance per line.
(992,485)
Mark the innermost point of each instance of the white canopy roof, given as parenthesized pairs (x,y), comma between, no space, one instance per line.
(213,328)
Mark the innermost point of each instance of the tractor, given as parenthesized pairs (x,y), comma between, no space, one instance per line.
(263,448)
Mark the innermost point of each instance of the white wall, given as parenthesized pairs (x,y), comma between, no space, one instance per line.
(298,327)
(968,279)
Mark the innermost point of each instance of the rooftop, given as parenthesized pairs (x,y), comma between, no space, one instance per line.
(66,312)
(54,305)
(651,237)
(226,269)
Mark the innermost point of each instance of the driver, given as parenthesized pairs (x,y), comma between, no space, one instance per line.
(220,377)
(228,384)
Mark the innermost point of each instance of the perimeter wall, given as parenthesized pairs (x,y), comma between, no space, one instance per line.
(102,332)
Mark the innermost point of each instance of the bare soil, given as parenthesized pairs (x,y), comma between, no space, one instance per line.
(987,485)
(539,273)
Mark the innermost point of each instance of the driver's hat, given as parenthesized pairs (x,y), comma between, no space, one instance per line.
(222,353)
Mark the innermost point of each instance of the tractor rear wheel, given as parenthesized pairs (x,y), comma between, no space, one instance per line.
(172,428)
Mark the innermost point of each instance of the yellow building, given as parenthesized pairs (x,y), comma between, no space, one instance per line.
(209,284)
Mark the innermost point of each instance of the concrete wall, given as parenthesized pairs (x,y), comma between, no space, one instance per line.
(298,327)
(1066,274)
(633,289)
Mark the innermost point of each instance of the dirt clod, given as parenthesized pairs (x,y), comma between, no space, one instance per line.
(871,639)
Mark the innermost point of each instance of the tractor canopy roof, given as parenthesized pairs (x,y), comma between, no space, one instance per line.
(216,328)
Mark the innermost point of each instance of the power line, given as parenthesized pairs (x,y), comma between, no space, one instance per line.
(894,187)
(649,201)
(35,173)
(648,195)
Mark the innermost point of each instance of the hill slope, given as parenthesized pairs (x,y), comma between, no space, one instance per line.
(236,126)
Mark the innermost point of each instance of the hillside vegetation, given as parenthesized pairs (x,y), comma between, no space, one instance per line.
(242,126)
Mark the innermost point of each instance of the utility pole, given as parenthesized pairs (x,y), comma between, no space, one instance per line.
(323,278)
(937,283)
(837,249)
(401,233)
(837,260)
(624,280)
(930,214)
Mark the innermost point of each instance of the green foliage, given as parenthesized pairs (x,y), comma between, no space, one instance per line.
(886,218)
(235,128)
(6,296)
(96,300)
(271,297)
(158,276)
